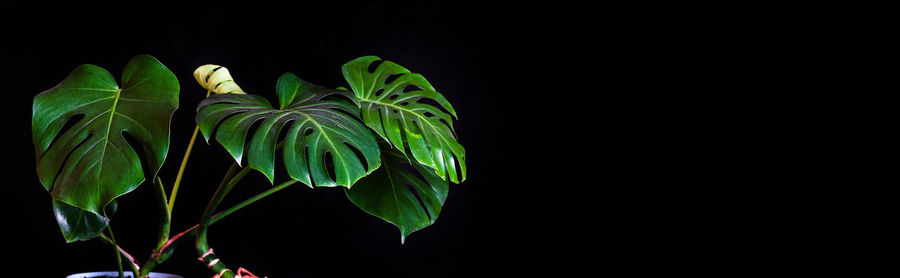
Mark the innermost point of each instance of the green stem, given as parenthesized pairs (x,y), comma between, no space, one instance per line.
(148,266)
(165,217)
(112,238)
(134,266)
(166,249)
(164,253)
(184,160)
(175,186)
(201,242)
(253,199)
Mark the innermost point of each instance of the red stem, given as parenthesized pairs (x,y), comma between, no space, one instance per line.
(178,236)
(129,257)
(173,239)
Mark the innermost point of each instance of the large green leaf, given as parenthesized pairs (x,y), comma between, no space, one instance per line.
(408,119)
(319,121)
(388,193)
(88,165)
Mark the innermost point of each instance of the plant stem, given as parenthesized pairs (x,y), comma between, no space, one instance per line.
(163,253)
(184,160)
(134,266)
(112,238)
(253,199)
(165,250)
(187,154)
(201,242)
(165,220)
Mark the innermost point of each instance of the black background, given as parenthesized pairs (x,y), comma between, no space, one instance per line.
(482,58)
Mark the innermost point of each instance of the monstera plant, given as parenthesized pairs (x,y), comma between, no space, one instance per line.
(388,141)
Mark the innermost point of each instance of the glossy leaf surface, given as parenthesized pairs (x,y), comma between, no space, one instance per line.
(388,193)
(402,111)
(77,224)
(317,121)
(89,164)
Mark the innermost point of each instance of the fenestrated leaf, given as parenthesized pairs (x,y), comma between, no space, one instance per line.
(90,164)
(387,194)
(407,119)
(318,121)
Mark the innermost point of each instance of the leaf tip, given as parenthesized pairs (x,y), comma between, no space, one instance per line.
(238,158)
(269,175)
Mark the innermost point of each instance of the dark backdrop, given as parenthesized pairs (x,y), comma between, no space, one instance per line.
(478,56)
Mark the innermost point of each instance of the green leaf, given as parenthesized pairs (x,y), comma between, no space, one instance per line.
(387,193)
(318,121)
(88,165)
(407,119)
(77,224)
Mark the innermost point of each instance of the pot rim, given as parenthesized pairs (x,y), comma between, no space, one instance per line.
(98,274)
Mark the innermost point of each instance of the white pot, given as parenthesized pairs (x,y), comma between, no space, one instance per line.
(105,274)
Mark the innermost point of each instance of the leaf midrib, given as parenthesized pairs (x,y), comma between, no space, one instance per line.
(324,134)
(401,219)
(112,113)
(426,120)
(443,137)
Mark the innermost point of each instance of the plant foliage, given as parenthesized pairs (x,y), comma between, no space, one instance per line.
(88,165)
(316,122)
(403,112)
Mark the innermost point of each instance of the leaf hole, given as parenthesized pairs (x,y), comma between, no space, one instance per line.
(65,160)
(231,114)
(415,194)
(458,166)
(404,103)
(255,122)
(70,122)
(393,97)
(359,156)
(411,88)
(328,160)
(431,102)
(428,114)
(305,156)
(379,92)
(381,115)
(390,79)
(141,151)
(282,135)
(374,66)
(308,131)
